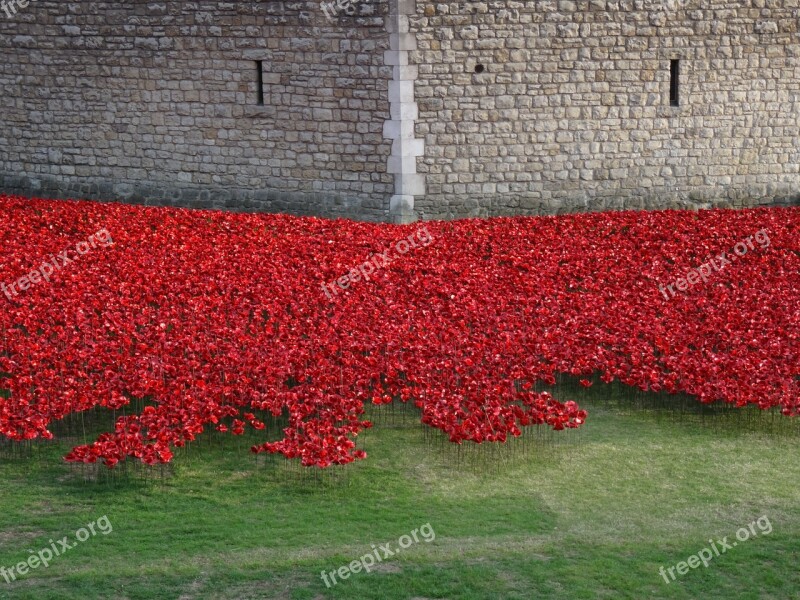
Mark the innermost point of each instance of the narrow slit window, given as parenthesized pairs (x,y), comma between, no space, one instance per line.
(675,83)
(260,80)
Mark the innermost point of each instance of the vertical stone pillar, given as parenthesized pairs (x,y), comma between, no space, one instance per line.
(403,114)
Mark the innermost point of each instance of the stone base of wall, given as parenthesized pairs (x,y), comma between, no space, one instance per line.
(232,199)
(440,206)
(430,206)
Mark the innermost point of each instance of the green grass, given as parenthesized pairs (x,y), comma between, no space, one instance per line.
(582,514)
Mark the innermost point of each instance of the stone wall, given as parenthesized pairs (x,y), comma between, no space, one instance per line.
(405,109)
(157,102)
(572,109)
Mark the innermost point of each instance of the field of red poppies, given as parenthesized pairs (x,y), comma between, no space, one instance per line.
(220,320)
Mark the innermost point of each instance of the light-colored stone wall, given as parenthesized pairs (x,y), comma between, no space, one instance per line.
(572,109)
(157,102)
(382,115)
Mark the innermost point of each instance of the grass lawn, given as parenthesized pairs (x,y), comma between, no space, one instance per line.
(580,514)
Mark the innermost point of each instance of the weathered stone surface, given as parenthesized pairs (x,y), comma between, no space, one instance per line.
(433,110)
(157,102)
(570,110)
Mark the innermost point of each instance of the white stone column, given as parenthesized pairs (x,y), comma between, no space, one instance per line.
(403,114)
